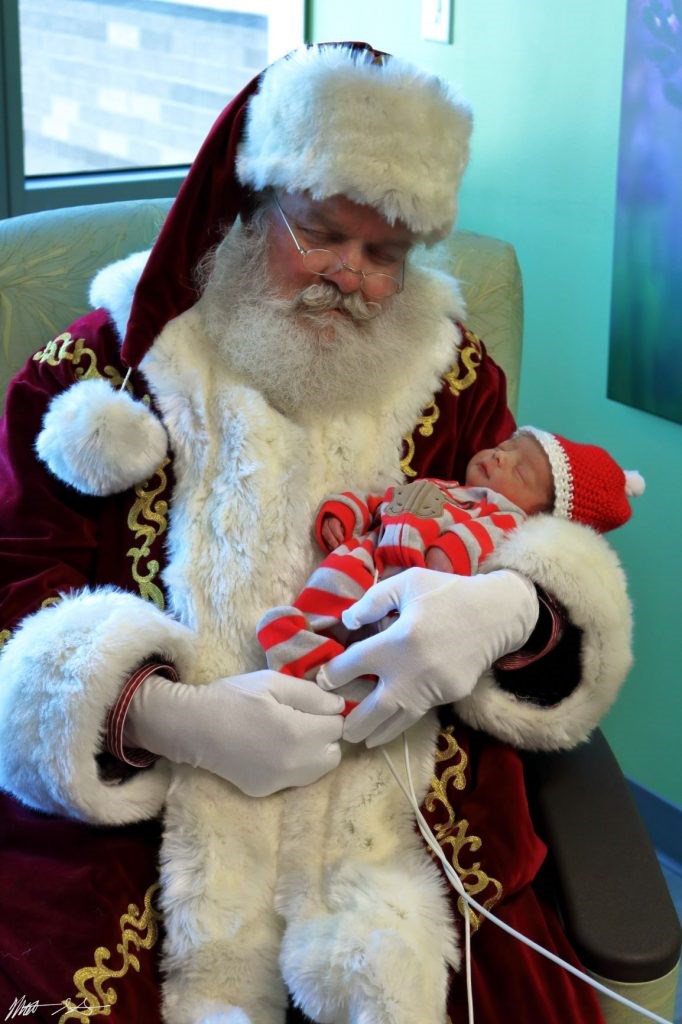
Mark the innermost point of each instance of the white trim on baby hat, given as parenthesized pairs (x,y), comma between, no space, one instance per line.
(561,469)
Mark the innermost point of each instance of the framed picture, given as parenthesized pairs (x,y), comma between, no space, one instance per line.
(645,353)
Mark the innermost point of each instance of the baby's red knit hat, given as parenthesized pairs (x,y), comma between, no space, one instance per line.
(589,485)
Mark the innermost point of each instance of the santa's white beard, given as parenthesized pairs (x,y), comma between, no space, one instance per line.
(303,360)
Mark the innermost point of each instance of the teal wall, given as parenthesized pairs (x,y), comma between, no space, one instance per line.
(544,79)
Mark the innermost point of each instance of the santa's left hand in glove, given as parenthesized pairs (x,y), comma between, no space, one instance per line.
(449,630)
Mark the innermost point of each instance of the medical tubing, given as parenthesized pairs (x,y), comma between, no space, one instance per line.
(431,840)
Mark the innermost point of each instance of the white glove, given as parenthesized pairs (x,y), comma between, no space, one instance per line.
(263,731)
(450,629)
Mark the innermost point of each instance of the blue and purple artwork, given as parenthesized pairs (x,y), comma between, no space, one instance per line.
(645,355)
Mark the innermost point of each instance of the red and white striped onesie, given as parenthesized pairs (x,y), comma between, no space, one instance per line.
(382,536)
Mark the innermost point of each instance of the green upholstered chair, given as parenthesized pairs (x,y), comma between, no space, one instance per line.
(47,261)
(604,872)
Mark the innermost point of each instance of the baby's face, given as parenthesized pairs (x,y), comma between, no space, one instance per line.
(519,470)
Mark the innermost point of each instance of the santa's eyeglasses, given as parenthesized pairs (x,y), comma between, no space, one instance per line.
(325,262)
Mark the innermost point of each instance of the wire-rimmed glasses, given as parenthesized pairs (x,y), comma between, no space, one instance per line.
(324,262)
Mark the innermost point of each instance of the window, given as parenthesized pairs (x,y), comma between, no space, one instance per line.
(108,99)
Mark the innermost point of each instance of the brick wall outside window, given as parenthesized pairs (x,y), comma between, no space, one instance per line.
(132,83)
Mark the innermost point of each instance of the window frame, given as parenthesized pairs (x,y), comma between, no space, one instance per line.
(20,195)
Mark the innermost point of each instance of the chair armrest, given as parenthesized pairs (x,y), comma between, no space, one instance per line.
(614,901)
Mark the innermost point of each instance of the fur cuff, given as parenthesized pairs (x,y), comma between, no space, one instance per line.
(579,569)
(61,671)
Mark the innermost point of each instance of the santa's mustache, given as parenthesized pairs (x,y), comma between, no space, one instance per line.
(323,295)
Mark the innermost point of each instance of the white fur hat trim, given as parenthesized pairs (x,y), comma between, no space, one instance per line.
(99,440)
(561,470)
(333,122)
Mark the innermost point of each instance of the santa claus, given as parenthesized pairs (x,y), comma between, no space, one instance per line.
(164,458)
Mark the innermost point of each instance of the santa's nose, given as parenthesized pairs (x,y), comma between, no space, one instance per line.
(346,279)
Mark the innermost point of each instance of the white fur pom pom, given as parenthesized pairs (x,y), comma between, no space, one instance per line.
(99,440)
(634,483)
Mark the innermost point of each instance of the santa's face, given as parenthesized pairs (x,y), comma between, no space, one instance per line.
(304,359)
(363,240)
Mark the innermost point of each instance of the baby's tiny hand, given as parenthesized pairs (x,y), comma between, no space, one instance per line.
(332,532)
(437,559)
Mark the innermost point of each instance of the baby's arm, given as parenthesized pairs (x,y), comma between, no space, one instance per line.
(437,559)
(464,546)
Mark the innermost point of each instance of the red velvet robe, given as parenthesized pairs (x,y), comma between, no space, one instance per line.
(78,918)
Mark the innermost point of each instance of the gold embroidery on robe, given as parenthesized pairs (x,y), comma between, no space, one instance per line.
(470,355)
(453,835)
(138,931)
(455,773)
(425,427)
(5,634)
(148,518)
(65,346)
(462,375)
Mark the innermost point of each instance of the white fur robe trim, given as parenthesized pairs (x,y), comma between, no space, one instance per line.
(327,887)
(60,671)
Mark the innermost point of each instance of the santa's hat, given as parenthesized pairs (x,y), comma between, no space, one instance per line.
(328,119)
(589,485)
(337,120)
